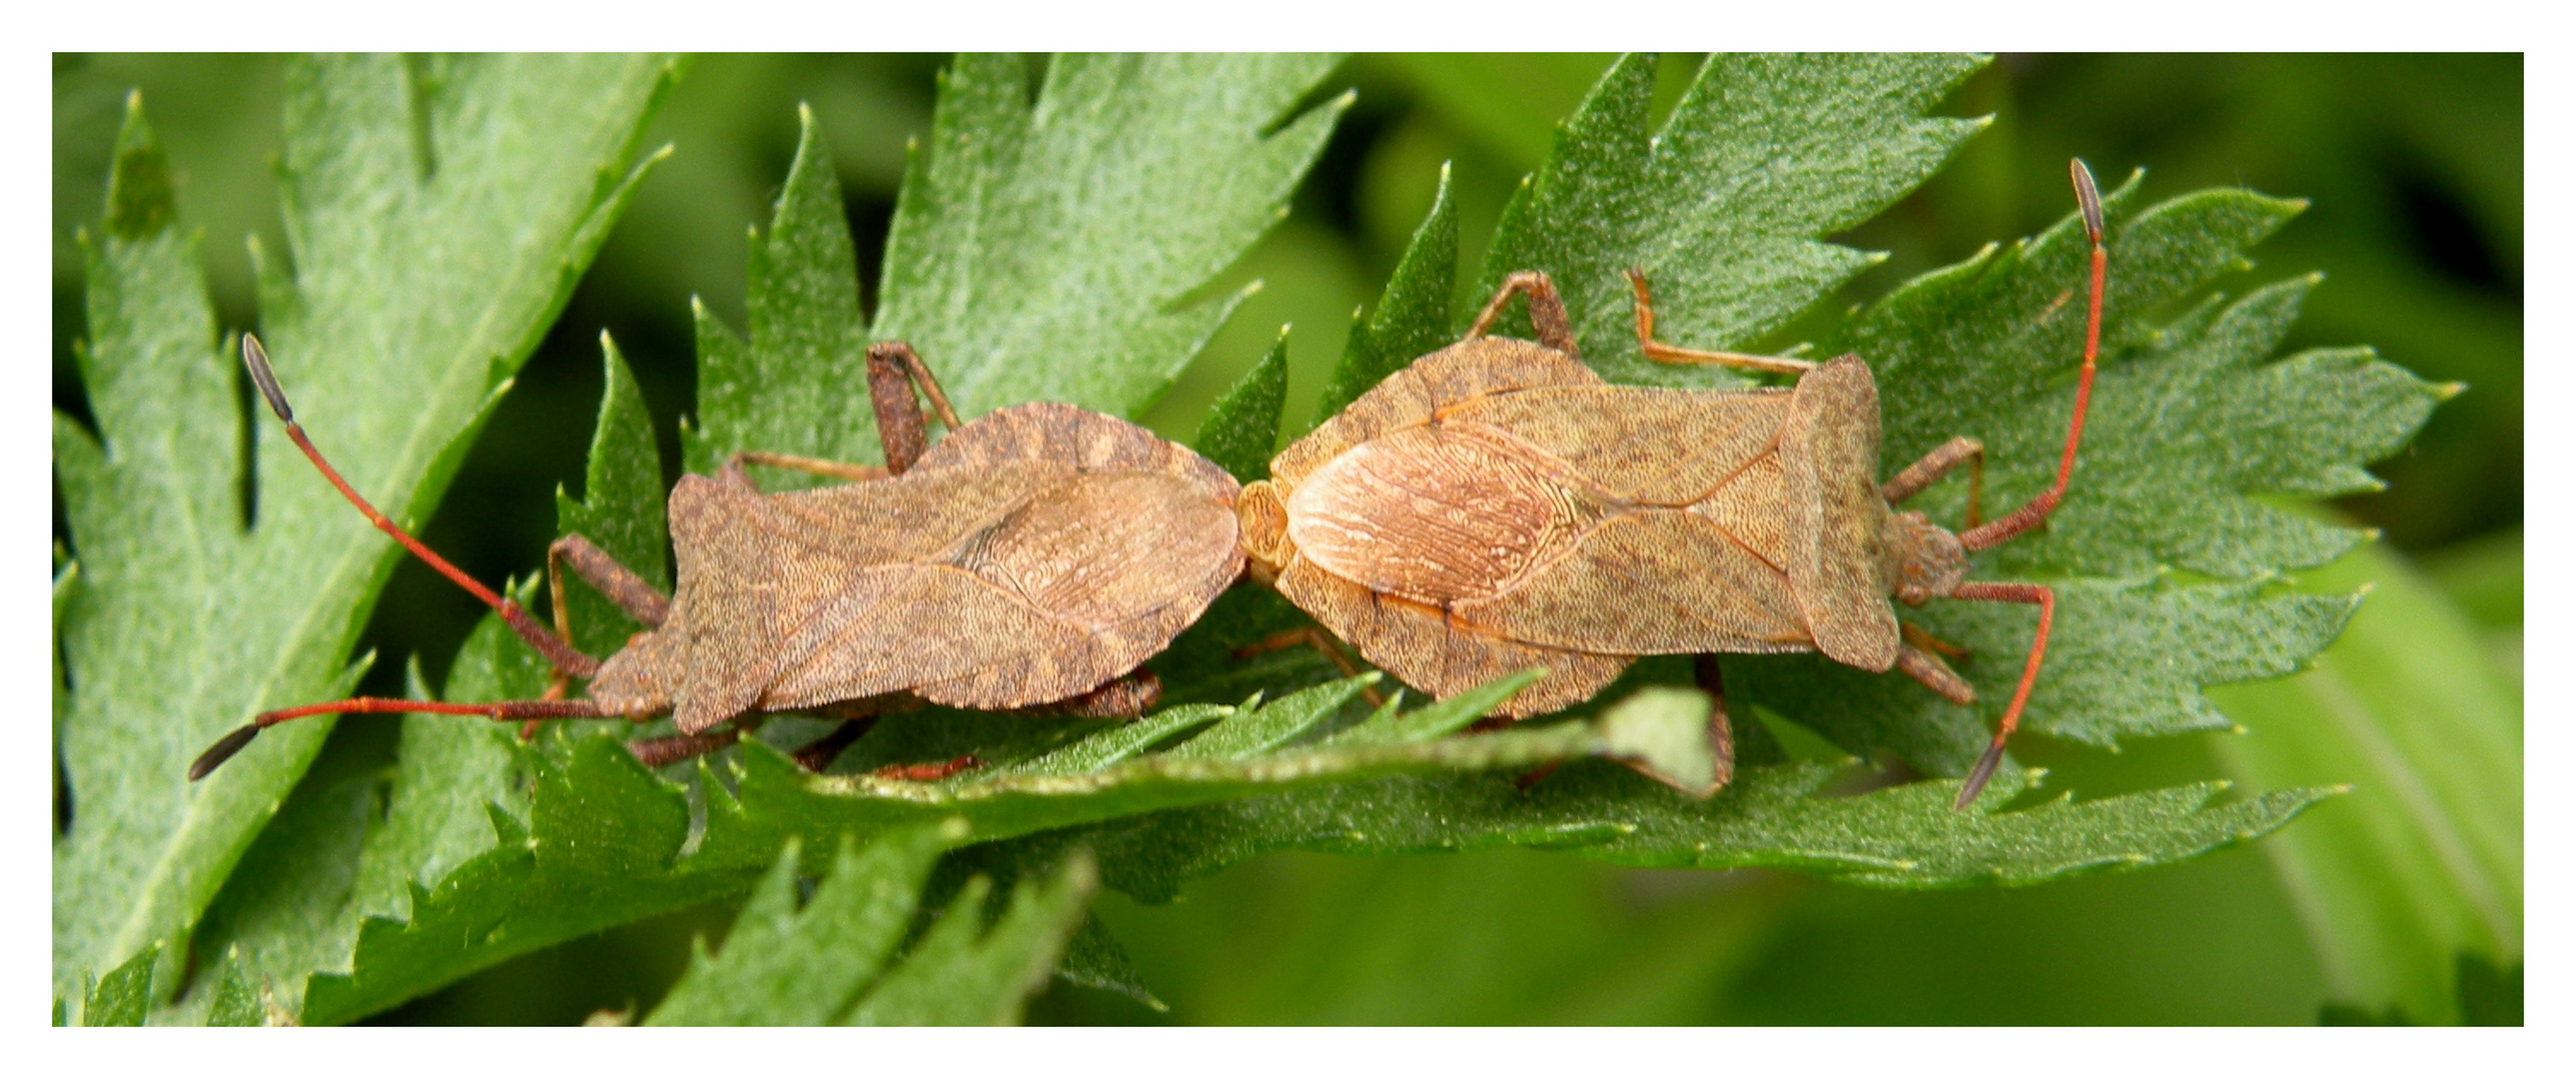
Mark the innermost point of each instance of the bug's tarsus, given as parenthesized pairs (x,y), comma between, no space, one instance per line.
(1125,697)
(894,372)
(839,470)
(1530,779)
(1320,641)
(1721,734)
(1922,638)
(1546,310)
(1663,353)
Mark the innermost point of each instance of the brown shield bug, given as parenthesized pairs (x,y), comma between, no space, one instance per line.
(1030,560)
(1496,506)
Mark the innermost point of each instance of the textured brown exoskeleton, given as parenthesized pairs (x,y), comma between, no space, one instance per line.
(1496,506)
(1030,560)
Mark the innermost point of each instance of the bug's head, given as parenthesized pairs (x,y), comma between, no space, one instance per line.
(1262,515)
(1925,560)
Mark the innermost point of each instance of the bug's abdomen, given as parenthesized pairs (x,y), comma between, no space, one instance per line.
(1434,515)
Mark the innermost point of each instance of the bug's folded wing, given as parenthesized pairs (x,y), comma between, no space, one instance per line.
(1418,646)
(1650,582)
(908,518)
(1070,438)
(728,543)
(903,626)
(1441,380)
(1650,446)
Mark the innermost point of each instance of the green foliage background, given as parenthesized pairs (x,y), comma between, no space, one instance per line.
(2414,168)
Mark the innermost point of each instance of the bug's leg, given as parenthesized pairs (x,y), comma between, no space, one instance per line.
(1124,697)
(632,594)
(1321,641)
(1662,353)
(1924,667)
(1721,735)
(733,472)
(668,749)
(2031,514)
(557,650)
(858,718)
(502,711)
(1531,778)
(1941,462)
(818,755)
(928,773)
(2046,600)
(1546,310)
(894,372)
(1922,638)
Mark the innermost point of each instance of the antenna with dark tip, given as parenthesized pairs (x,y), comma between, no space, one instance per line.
(2088,200)
(557,651)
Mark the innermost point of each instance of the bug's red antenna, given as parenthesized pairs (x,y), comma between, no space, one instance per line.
(502,711)
(2089,200)
(557,651)
(2028,517)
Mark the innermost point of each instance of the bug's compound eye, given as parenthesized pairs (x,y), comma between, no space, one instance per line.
(1262,513)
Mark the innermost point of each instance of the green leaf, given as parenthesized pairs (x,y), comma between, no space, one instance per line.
(789,966)
(1242,430)
(2125,659)
(1093,959)
(491,850)
(438,212)
(1047,250)
(122,998)
(235,1004)
(285,912)
(1904,836)
(2419,870)
(620,509)
(1412,319)
(962,973)
(607,842)
(1726,205)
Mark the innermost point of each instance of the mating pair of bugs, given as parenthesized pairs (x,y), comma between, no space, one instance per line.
(1493,507)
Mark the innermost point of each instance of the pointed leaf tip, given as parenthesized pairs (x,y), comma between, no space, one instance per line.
(141,201)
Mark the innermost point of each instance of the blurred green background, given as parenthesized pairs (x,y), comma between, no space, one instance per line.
(2415,166)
